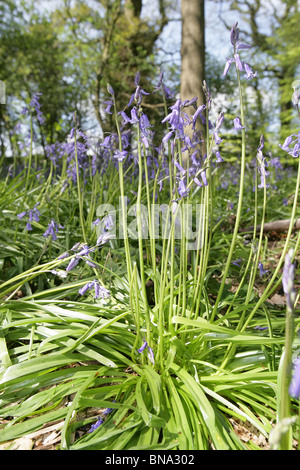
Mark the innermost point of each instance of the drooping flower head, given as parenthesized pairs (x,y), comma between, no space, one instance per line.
(234,34)
(100,420)
(35,105)
(294,388)
(237,124)
(149,351)
(262,271)
(52,230)
(289,141)
(32,214)
(99,291)
(237,46)
(263,164)
(161,86)
(288,278)
(137,96)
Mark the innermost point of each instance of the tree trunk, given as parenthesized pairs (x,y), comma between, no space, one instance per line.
(193,53)
(192,50)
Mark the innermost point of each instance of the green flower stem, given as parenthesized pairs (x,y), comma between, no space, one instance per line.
(168,248)
(48,183)
(284,405)
(208,219)
(26,276)
(232,347)
(240,202)
(199,261)
(251,251)
(140,242)
(169,146)
(270,285)
(257,252)
(29,160)
(32,273)
(123,205)
(79,189)
(152,240)
(135,308)
(149,212)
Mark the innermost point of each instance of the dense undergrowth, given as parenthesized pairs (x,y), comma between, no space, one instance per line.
(137,307)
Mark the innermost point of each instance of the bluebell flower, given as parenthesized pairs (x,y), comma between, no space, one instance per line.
(100,420)
(179,167)
(34,103)
(99,291)
(109,104)
(178,121)
(237,262)
(150,352)
(294,388)
(110,89)
(220,121)
(120,155)
(197,181)
(295,151)
(218,157)
(161,86)
(237,124)
(104,238)
(234,34)
(90,263)
(198,112)
(143,347)
(52,230)
(76,246)
(137,96)
(288,278)
(83,253)
(73,262)
(146,133)
(227,66)
(167,136)
(84,250)
(83,148)
(207,94)
(217,138)
(238,45)
(183,191)
(96,425)
(64,255)
(204,178)
(263,164)
(262,271)
(249,72)
(32,214)
(108,222)
(238,62)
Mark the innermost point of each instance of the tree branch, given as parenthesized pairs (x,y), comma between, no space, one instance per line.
(277,226)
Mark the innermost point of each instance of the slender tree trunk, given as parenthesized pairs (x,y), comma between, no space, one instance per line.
(192,49)
(193,54)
